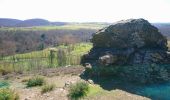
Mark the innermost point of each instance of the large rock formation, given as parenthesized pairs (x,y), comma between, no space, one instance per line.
(129,42)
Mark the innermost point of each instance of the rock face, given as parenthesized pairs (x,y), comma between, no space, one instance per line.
(132,41)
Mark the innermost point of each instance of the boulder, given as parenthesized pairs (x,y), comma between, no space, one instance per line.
(132,41)
(131,33)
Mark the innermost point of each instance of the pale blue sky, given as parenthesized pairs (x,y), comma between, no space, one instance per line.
(86,10)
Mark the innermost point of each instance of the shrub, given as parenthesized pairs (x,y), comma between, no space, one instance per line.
(37,81)
(4,71)
(4,84)
(47,88)
(78,90)
(7,94)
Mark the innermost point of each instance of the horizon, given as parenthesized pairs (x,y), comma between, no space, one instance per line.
(109,11)
(87,21)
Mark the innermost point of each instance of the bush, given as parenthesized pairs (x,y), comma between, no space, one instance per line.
(37,81)
(7,94)
(47,88)
(78,90)
(4,84)
(4,71)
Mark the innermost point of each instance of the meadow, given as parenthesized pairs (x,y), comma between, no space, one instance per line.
(48,58)
(71,26)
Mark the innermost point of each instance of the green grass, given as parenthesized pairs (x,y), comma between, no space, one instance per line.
(42,59)
(4,84)
(35,81)
(79,48)
(4,71)
(8,94)
(78,90)
(94,89)
(74,26)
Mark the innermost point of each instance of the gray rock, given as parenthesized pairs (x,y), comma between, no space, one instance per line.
(90,81)
(133,41)
(88,65)
(107,59)
(132,33)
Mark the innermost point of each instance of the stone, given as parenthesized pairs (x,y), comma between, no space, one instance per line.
(132,41)
(67,84)
(88,65)
(107,59)
(131,33)
(132,49)
(90,81)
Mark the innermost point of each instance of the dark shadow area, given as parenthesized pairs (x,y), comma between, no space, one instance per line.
(154,91)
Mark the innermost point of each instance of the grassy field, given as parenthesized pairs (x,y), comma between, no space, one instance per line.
(74,26)
(47,58)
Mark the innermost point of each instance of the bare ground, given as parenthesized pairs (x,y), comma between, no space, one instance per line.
(59,76)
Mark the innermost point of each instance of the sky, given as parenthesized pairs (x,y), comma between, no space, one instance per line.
(86,10)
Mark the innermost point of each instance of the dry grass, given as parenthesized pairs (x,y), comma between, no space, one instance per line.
(47,88)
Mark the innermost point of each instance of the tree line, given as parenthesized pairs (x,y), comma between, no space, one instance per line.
(22,41)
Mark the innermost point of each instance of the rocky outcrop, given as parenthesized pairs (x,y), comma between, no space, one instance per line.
(132,41)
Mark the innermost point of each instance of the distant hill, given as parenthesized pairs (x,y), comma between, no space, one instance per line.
(33,22)
(59,23)
(6,22)
(9,22)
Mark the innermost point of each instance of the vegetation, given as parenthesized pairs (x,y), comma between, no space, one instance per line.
(94,89)
(47,88)
(78,90)
(27,39)
(59,46)
(23,41)
(4,84)
(35,81)
(51,57)
(74,26)
(8,94)
(4,71)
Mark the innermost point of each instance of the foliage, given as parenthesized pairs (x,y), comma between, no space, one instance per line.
(74,26)
(4,71)
(78,90)
(47,88)
(35,81)
(4,84)
(94,89)
(7,94)
(61,56)
(23,40)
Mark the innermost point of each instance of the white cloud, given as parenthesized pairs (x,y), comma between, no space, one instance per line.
(86,10)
